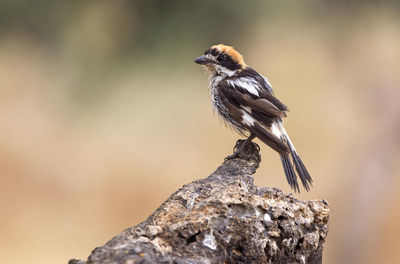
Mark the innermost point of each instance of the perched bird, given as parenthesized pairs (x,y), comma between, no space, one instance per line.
(246,101)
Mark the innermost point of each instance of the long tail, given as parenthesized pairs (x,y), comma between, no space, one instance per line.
(289,172)
(299,165)
(278,143)
(278,140)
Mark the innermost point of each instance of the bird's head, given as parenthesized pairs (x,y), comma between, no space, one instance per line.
(222,60)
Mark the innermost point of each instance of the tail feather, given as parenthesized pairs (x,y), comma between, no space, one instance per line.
(289,172)
(298,163)
(301,171)
(270,139)
(278,139)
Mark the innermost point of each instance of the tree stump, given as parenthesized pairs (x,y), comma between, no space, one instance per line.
(224,218)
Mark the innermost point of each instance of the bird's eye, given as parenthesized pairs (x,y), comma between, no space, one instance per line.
(220,58)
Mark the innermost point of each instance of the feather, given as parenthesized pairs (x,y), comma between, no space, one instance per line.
(289,172)
(271,140)
(301,170)
(242,99)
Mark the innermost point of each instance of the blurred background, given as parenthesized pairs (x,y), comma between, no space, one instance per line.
(103,115)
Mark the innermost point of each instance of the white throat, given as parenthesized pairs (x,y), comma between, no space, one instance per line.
(218,74)
(220,70)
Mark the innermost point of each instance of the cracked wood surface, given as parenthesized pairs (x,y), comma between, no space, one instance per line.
(224,218)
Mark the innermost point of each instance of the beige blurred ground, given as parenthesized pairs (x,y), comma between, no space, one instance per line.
(77,168)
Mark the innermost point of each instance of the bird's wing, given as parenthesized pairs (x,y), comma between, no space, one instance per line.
(243,109)
(239,96)
(255,90)
(246,93)
(257,86)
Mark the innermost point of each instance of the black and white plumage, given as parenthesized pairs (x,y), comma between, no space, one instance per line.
(246,101)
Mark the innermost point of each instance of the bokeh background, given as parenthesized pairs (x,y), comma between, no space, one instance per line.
(103,114)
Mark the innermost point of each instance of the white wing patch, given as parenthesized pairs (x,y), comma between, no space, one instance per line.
(275,130)
(250,84)
(248,119)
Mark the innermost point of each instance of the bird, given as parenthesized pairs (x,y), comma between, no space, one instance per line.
(246,102)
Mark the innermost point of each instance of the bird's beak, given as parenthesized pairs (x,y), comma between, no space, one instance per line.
(203,60)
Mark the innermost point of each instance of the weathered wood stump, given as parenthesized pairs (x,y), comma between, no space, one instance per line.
(224,218)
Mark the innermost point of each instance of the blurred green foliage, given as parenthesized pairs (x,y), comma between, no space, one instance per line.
(98,37)
(146,25)
(156,26)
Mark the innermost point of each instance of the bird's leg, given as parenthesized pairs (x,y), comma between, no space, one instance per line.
(240,148)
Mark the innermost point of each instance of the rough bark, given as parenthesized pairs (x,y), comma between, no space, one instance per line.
(224,218)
